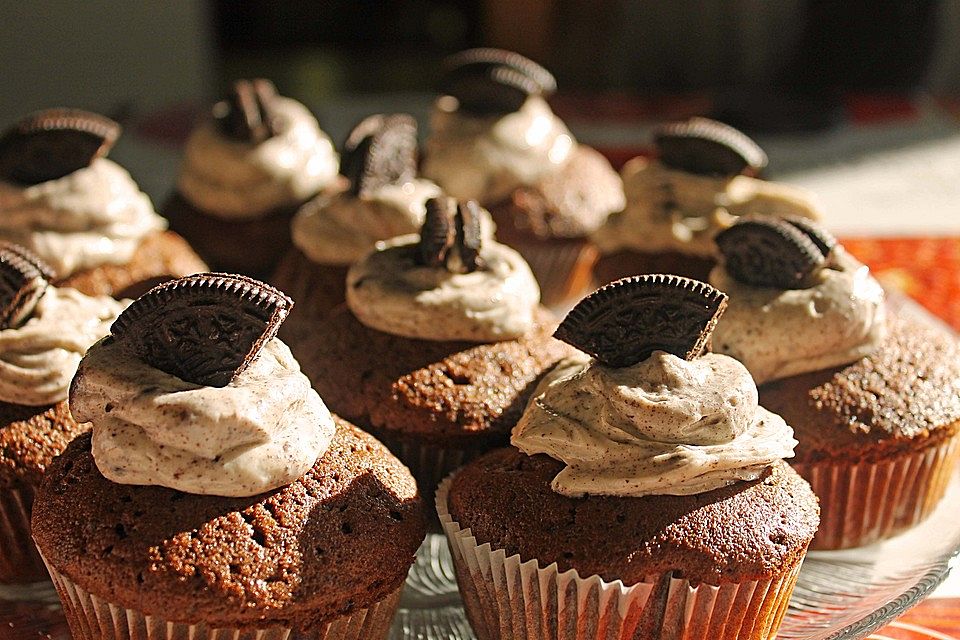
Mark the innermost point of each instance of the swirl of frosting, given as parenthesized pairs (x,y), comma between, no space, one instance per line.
(264,430)
(232,179)
(94,216)
(662,426)
(671,210)
(39,358)
(343,228)
(388,291)
(778,333)
(486,158)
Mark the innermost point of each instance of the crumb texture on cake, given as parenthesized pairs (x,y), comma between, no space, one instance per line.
(335,541)
(449,392)
(30,438)
(747,531)
(904,396)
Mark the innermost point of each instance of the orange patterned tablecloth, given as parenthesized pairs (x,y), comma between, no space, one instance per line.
(933,619)
(926,269)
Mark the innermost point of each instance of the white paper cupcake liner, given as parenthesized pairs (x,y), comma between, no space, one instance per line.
(508,599)
(869,501)
(91,618)
(19,560)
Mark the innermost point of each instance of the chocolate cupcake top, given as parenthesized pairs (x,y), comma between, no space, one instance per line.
(258,152)
(493,131)
(653,412)
(702,179)
(62,199)
(191,391)
(451,283)
(45,330)
(798,301)
(384,199)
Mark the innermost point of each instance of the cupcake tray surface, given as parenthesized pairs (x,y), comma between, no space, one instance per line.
(839,594)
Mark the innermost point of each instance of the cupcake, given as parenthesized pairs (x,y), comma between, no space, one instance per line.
(495,140)
(246,170)
(80,212)
(702,178)
(646,494)
(439,345)
(873,396)
(44,331)
(331,232)
(216,495)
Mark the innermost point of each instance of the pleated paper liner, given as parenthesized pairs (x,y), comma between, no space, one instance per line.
(91,618)
(870,501)
(509,599)
(562,266)
(19,561)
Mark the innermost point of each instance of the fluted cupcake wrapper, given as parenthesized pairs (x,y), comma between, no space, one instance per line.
(19,560)
(563,267)
(91,618)
(862,503)
(508,599)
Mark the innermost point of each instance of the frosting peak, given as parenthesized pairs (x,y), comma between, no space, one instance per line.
(778,333)
(234,179)
(39,358)
(93,216)
(663,425)
(390,292)
(262,431)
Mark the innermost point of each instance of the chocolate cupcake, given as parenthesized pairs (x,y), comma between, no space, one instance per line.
(64,200)
(702,178)
(873,397)
(646,483)
(44,331)
(494,139)
(246,170)
(439,345)
(385,199)
(216,493)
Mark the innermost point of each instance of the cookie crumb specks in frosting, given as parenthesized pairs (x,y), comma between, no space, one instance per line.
(662,425)
(201,420)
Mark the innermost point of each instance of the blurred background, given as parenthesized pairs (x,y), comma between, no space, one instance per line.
(855,99)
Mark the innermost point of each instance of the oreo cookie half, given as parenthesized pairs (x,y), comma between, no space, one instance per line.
(204,328)
(622,323)
(707,147)
(783,253)
(51,144)
(23,279)
(451,235)
(381,149)
(248,113)
(494,81)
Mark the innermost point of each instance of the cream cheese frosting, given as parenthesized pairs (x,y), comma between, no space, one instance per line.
(39,358)
(94,216)
(839,318)
(388,291)
(262,431)
(343,228)
(486,158)
(662,426)
(671,210)
(236,180)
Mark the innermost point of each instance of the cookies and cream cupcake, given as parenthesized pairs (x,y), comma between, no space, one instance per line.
(439,345)
(44,331)
(702,178)
(644,482)
(494,139)
(246,170)
(79,211)
(873,396)
(385,199)
(216,494)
